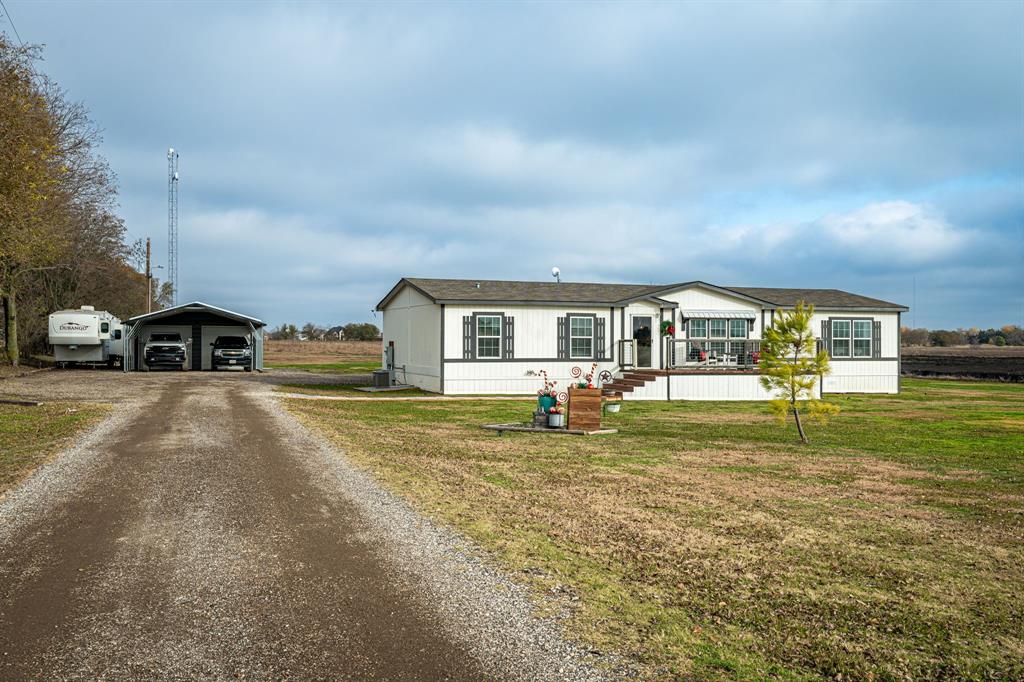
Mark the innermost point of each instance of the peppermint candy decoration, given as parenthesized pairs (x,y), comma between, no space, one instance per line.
(563,397)
(576,372)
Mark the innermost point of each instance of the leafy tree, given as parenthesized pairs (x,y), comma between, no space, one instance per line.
(312,331)
(61,244)
(29,170)
(361,331)
(286,332)
(790,366)
(914,337)
(944,337)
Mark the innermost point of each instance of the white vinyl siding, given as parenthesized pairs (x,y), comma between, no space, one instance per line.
(581,337)
(862,331)
(840,338)
(488,336)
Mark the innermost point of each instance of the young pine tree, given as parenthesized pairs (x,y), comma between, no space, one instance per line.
(790,366)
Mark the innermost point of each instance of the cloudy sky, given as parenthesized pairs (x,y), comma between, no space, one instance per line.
(328,150)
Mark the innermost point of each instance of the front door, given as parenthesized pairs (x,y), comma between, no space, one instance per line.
(643,336)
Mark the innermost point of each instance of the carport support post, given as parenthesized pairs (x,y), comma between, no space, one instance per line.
(252,348)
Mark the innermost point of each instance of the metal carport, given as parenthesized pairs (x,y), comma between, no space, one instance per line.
(191,319)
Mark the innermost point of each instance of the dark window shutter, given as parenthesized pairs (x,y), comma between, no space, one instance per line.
(467,337)
(599,350)
(826,335)
(508,323)
(876,339)
(563,338)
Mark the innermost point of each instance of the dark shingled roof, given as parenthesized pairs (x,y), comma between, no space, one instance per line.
(497,291)
(820,298)
(533,292)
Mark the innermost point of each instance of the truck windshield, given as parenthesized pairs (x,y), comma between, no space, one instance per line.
(231,342)
(166,337)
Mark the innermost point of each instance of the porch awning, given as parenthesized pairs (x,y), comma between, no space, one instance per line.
(726,314)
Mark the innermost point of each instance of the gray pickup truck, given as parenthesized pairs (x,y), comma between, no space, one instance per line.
(165,349)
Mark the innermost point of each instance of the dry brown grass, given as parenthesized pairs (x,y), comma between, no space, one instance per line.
(320,352)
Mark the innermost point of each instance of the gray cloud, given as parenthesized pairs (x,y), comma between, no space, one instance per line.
(329,149)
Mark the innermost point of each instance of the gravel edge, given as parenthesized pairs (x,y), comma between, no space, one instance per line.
(50,484)
(480,606)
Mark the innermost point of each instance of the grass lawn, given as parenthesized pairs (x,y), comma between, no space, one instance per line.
(702,541)
(28,435)
(353,367)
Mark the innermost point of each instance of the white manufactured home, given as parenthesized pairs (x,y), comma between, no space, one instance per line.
(494,337)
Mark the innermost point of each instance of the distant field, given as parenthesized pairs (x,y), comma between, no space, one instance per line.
(704,542)
(981,362)
(341,357)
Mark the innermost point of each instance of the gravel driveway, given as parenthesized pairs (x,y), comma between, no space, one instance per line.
(201,533)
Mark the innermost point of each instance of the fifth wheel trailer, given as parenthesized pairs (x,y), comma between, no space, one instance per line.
(86,336)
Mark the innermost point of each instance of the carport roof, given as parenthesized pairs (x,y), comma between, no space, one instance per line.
(194,306)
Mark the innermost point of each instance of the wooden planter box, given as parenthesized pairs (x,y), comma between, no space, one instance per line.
(584,409)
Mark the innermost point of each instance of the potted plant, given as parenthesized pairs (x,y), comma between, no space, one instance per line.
(556,416)
(547,397)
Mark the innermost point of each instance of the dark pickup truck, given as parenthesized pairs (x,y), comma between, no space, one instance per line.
(232,351)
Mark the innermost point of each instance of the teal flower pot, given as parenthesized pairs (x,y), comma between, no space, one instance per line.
(546,402)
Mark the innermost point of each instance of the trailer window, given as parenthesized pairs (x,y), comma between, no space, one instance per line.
(488,336)
(117,334)
(104,327)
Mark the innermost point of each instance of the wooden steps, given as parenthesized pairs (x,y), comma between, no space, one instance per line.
(629,381)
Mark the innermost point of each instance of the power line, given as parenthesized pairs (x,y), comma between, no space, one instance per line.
(11,22)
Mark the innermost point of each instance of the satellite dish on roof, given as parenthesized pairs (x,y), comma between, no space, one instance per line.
(556,273)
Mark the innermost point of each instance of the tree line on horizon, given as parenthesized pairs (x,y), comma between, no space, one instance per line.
(1007,335)
(354,331)
(62,244)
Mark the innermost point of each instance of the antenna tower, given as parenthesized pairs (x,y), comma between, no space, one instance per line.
(172,223)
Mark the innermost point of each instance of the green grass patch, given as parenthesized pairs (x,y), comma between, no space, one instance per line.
(703,541)
(29,435)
